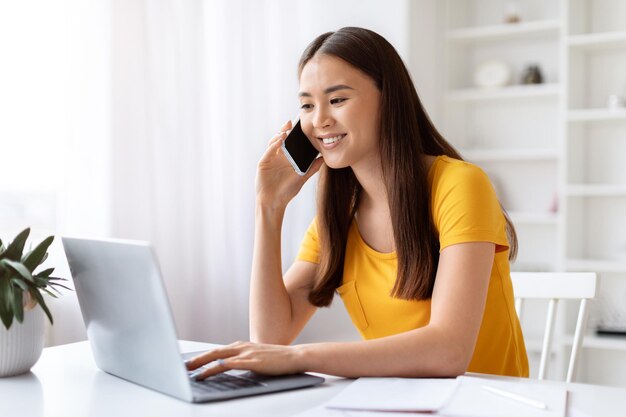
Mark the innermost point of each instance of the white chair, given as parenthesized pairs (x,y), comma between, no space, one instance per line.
(554,286)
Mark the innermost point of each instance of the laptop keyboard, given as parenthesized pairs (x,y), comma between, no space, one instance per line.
(224,382)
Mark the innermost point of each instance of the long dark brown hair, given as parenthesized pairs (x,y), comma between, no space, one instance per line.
(405,135)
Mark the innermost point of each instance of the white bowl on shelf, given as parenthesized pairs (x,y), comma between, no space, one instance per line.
(492,74)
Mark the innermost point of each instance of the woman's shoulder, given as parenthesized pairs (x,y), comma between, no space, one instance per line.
(465,206)
(449,171)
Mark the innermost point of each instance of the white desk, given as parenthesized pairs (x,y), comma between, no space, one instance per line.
(66,383)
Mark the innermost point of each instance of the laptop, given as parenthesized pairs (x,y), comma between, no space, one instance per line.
(131,330)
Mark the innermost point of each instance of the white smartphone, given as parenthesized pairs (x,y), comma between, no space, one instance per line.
(299,150)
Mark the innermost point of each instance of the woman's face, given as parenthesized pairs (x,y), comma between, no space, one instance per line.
(340,112)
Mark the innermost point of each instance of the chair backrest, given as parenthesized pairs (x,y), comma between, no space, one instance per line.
(554,286)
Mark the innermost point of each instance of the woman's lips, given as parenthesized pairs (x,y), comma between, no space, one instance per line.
(331,141)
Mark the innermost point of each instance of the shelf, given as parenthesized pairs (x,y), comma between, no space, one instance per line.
(600,342)
(590,341)
(595,265)
(509,92)
(596,115)
(582,190)
(486,155)
(505,31)
(597,41)
(605,342)
(531,218)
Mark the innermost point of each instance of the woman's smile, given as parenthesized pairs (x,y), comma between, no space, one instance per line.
(331,140)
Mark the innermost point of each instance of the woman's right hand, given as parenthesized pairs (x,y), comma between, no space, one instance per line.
(276,181)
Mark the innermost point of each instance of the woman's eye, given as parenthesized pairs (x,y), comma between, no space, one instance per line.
(337,100)
(306,106)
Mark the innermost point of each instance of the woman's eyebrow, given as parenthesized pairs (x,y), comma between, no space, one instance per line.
(329,90)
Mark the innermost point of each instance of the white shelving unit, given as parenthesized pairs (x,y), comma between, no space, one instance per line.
(510,131)
(596,115)
(555,152)
(595,147)
(596,265)
(598,342)
(504,31)
(509,92)
(596,41)
(596,190)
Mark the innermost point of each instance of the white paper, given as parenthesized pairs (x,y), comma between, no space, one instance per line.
(394,394)
(471,400)
(322,411)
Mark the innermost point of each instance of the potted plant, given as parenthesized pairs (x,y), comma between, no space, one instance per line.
(22,305)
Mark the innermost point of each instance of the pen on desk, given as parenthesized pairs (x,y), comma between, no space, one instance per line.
(515,397)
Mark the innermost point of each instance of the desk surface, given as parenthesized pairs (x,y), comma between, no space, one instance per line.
(66,382)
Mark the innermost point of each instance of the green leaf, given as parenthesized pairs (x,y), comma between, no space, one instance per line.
(6,299)
(18,306)
(36,256)
(2,248)
(35,293)
(7,317)
(45,273)
(15,248)
(41,282)
(5,292)
(18,268)
(57,279)
(54,284)
(50,293)
(19,283)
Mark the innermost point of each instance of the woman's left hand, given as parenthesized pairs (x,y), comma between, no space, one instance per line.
(259,358)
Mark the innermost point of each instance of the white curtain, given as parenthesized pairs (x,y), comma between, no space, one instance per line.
(146,118)
(198,88)
(54,131)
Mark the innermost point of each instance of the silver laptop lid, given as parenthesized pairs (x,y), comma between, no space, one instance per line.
(127,314)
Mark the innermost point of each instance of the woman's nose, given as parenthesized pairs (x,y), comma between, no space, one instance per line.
(322,119)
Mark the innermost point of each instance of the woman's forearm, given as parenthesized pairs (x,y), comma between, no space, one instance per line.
(270,307)
(425,352)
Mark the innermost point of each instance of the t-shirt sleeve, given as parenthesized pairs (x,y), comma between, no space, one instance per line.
(466,208)
(310,246)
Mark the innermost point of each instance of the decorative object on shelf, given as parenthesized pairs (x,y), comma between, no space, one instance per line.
(22,305)
(512,13)
(554,204)
(492,73)
(615,102)
(532,75)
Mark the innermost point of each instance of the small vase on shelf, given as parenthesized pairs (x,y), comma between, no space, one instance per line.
(532,75)
(512,13)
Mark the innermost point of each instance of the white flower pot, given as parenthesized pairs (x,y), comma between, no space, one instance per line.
(21,345)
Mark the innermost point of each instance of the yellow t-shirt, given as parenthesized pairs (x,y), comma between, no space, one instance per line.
(465,209)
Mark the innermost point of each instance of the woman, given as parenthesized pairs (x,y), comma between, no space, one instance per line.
(411,237)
